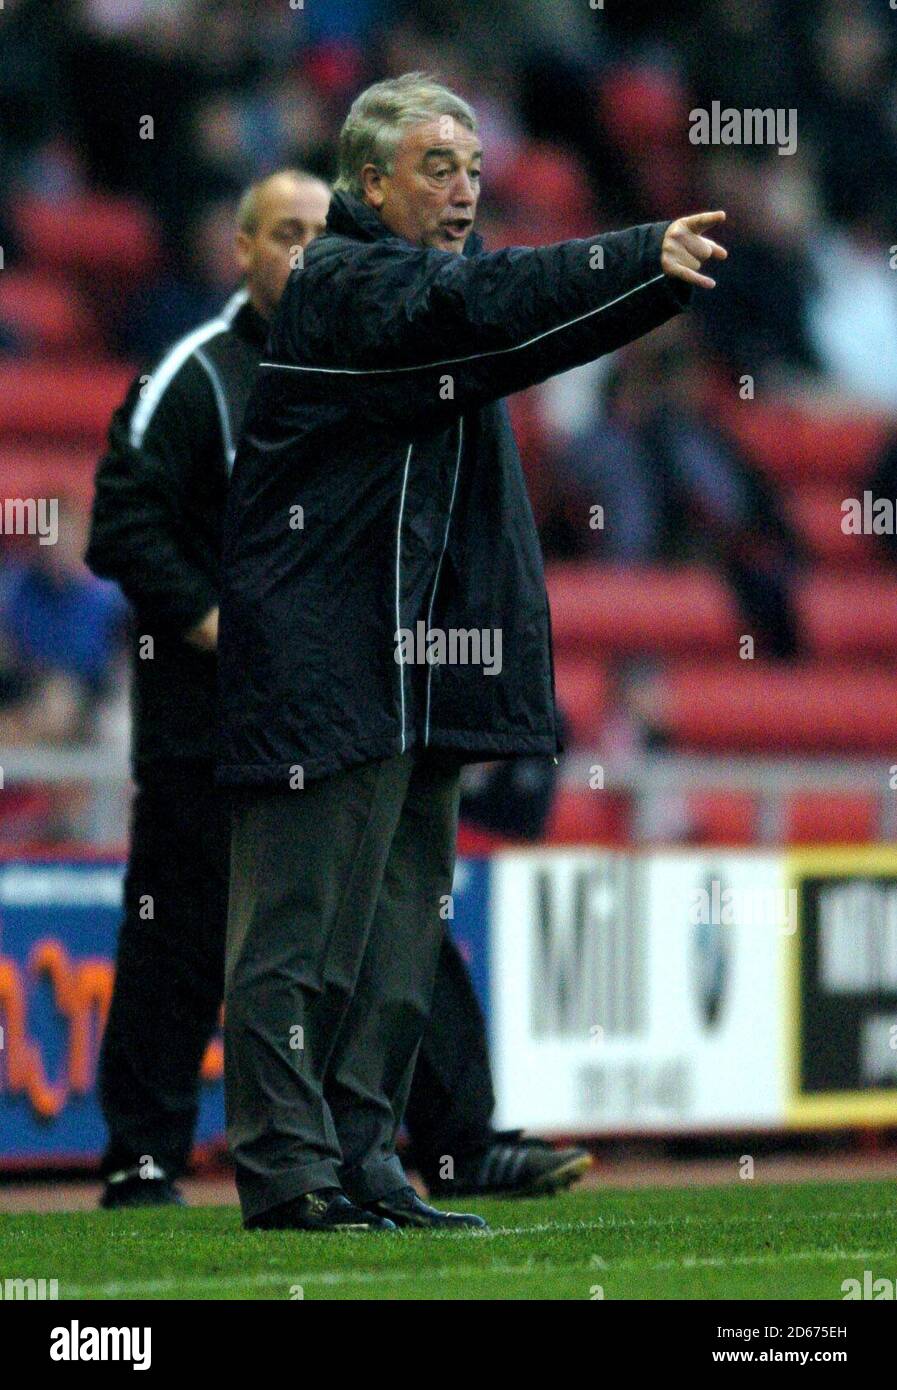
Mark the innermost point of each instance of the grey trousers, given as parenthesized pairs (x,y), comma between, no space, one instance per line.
(335,918)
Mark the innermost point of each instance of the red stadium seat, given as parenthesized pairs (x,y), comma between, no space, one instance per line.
(97,235)
(335,68)
(608,610)
(752,707)
(40,472)
(67,402)
(583,817)
(830,819)
(23,810)
(645,111)
(793,443)
(732,818)
(47,314)
(643,107)
(473,840)
(582,691)
(613,610)
(723,818)
(529,432)
(849,615)
(549,183)
(815,511)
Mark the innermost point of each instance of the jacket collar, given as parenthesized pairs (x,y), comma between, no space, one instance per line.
(249,324)
(350,216)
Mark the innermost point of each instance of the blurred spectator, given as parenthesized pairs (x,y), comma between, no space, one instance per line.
(760,319)
(883,484)
(189,292)
(160,61)
(139,56)
(763,316)
(853,312)
(241,138)
(674,488)
(30,97)
(8,340)
(850,108)
(499,35)
(60,632)
(739,53)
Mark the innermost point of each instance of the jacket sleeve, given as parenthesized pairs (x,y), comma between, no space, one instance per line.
(434,334)
(139,533)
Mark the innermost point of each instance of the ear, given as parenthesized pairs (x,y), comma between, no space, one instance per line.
(243,248)
(372,185)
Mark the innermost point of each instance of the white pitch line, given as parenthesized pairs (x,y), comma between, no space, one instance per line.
(322,1276)
(616,1222)
(721,1262)
(334,1278)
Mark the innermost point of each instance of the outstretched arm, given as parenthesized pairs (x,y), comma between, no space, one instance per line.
(434,334)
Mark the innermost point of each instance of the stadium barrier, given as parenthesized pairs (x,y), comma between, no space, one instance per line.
(625,992)
(694,991)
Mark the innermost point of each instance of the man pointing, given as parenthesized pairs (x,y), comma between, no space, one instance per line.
(377,487)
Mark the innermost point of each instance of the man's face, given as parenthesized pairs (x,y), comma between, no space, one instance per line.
(291,213)
(431,196)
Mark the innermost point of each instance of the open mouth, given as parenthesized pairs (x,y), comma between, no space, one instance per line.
(458,228)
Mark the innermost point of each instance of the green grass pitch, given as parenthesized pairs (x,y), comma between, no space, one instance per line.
(745,1241)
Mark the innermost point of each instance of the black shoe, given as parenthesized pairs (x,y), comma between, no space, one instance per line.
(405,1208)
(326,1210)
(132,1188)
(514,1167)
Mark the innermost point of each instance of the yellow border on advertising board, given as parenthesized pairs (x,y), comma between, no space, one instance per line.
(829,1108)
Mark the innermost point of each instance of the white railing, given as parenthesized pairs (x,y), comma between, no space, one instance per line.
(653,781)
(652,778)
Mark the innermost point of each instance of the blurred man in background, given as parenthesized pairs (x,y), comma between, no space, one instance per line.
(156,530)
(674,486)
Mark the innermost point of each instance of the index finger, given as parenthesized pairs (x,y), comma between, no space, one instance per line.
(697,220)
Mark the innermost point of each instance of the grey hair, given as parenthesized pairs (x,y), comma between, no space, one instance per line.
(379,117)
(248,207)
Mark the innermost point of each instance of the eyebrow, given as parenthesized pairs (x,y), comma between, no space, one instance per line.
(447,152)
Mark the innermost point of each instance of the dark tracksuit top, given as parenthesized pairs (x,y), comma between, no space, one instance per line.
(378,411)
(156,527)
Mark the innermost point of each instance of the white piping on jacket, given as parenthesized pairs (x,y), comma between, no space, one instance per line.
(230,452)
(472,357)
(439,567)
(399,589)
(172,362)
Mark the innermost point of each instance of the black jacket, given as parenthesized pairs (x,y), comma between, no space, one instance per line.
(156,527)
(378,413)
